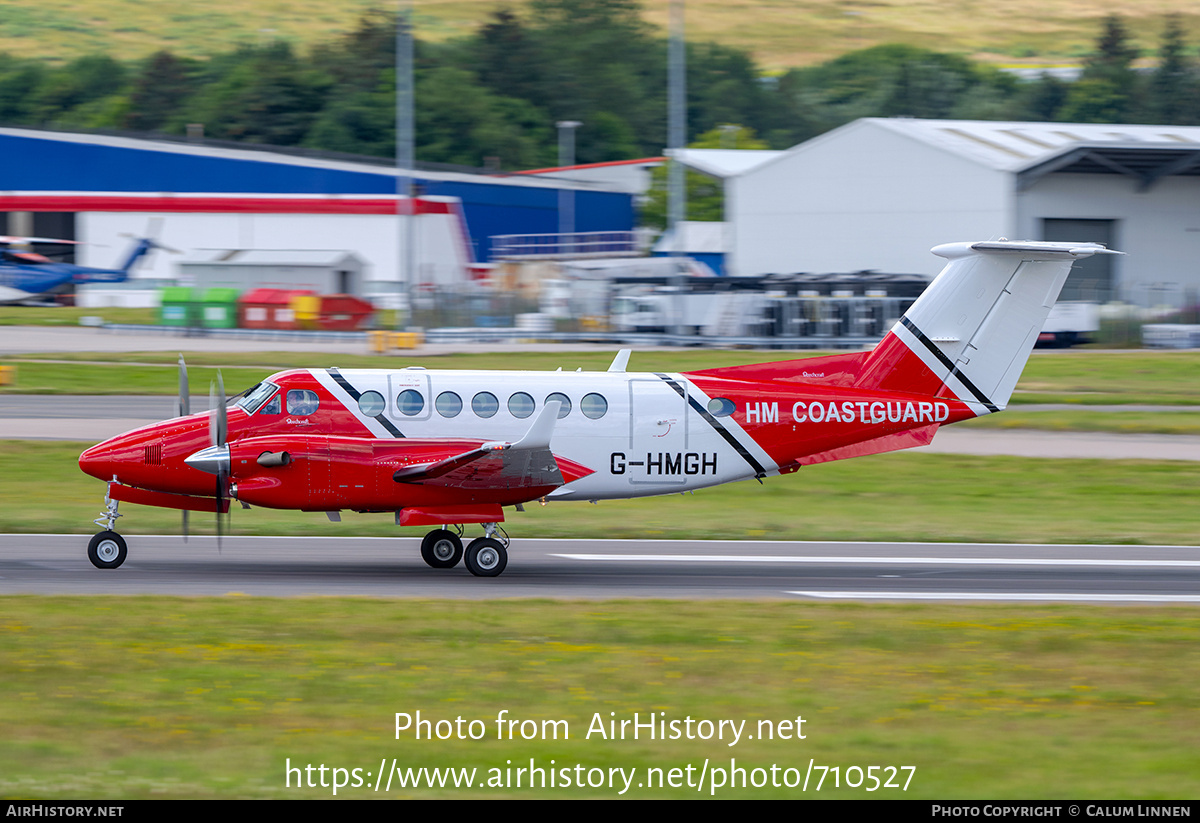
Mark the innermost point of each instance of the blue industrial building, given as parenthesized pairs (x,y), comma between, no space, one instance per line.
(53,163)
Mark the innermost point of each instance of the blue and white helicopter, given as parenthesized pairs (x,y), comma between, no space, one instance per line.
(26,275)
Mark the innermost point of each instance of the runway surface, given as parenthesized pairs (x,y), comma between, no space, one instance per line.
(603,569)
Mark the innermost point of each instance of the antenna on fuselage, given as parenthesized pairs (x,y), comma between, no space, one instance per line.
(620,361)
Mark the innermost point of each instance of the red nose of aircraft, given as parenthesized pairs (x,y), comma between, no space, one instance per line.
(152,457)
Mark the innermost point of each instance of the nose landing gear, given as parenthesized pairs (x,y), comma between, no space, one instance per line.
(107,549)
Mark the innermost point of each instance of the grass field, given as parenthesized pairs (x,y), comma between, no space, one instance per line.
(780,35)
(1122,422)
(157,697)
(166,697)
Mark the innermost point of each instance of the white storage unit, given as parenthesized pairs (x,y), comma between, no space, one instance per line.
(325,272)
(879,193)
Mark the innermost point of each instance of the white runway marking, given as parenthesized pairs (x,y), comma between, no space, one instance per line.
(884,561)
(1081,598)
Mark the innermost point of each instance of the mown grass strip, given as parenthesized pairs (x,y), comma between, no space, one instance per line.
(128,697)
(1124,422)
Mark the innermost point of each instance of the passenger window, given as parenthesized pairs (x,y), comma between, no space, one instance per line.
(410,402)
(593,406)
(448,404)
(565,409)
(720,407)
(485,404)
(302,402)
(520,404)
(370,403)
(272,406)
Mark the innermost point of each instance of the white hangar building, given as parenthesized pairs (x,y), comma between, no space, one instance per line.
(879,193)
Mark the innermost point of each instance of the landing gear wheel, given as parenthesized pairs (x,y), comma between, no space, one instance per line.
(486,557)
(107,550)
(441,549)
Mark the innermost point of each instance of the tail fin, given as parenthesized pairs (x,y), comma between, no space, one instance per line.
(143,247)
(970,333)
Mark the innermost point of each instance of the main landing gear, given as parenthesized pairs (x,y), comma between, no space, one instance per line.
(107,549)
(484,556)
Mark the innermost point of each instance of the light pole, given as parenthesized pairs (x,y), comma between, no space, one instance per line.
(566,197)
(405,160)
(676,140)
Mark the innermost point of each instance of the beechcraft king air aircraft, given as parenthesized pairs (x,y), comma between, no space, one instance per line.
(449,448)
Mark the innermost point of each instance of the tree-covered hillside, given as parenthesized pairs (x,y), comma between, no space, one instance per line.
(492,98)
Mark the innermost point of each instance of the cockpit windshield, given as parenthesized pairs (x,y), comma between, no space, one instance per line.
(256,396)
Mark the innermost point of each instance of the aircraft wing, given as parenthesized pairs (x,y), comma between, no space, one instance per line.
(525,463)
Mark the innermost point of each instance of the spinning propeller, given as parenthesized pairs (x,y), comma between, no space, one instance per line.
(215,459)
(218,429)
(183,409)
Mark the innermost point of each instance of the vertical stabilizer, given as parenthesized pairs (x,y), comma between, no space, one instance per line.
(970,333)
(140,250)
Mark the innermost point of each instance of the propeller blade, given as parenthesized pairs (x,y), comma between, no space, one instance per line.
(183,406)
(185,400)
(218,427)
(219,423)
(220,505)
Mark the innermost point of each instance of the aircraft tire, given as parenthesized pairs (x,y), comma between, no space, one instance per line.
(441,549)
(107,550)
(486,557)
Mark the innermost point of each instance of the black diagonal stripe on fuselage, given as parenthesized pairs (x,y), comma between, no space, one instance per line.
(949,364)
(759,471)
(356,394)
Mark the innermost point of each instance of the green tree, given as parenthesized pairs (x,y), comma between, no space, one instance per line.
(705,194)
(1114,55)
(1094,100)
(1173,86)
(1042,99)
(889,81)
(357,122)
(508,58)
(267,96)
(82,81)
(461,122)
(162,88)
(19,81)
(1107,90)
(357,61)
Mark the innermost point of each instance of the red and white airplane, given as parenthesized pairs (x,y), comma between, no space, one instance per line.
(447,448)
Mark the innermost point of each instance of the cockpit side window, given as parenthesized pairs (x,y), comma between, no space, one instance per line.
(272,406)
(256,396)
(301,402)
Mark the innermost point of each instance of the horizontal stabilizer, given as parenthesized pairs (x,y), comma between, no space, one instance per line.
(1038,251)
(971,331)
